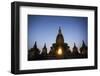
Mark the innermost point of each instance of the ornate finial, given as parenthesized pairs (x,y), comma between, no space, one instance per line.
(74,44)
(59,30)
(45,45)
(35,45)
(83,43)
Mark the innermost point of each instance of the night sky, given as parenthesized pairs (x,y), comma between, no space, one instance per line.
(44,29)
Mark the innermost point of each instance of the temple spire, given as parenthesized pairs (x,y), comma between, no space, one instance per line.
(74,44)
(59,38)
(44,51)
(59,30)
(35,45)
(83,44)
(45,45)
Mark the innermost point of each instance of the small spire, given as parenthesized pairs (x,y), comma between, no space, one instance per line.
(44,50)
(59,30)
(83,43)
(35,45)
(74,44)
(45,45)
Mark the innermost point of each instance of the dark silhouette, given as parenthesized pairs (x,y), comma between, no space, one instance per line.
(59,45)
(75,53)
(83,50)
(58,50)
(44,52)
(34,53)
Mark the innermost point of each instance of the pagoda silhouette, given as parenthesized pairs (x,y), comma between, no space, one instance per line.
(59,46)
(34,53)
(58,50)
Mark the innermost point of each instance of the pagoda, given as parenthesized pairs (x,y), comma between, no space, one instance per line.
(59,49)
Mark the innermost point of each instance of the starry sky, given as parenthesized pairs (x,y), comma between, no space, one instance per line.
(44,29)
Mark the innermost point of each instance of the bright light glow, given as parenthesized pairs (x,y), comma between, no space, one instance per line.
(59,51)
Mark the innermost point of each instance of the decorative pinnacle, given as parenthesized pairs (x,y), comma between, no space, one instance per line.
(45,45)
(59,30)
(35,45)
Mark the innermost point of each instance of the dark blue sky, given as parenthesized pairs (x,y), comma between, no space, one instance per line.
(44,29)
